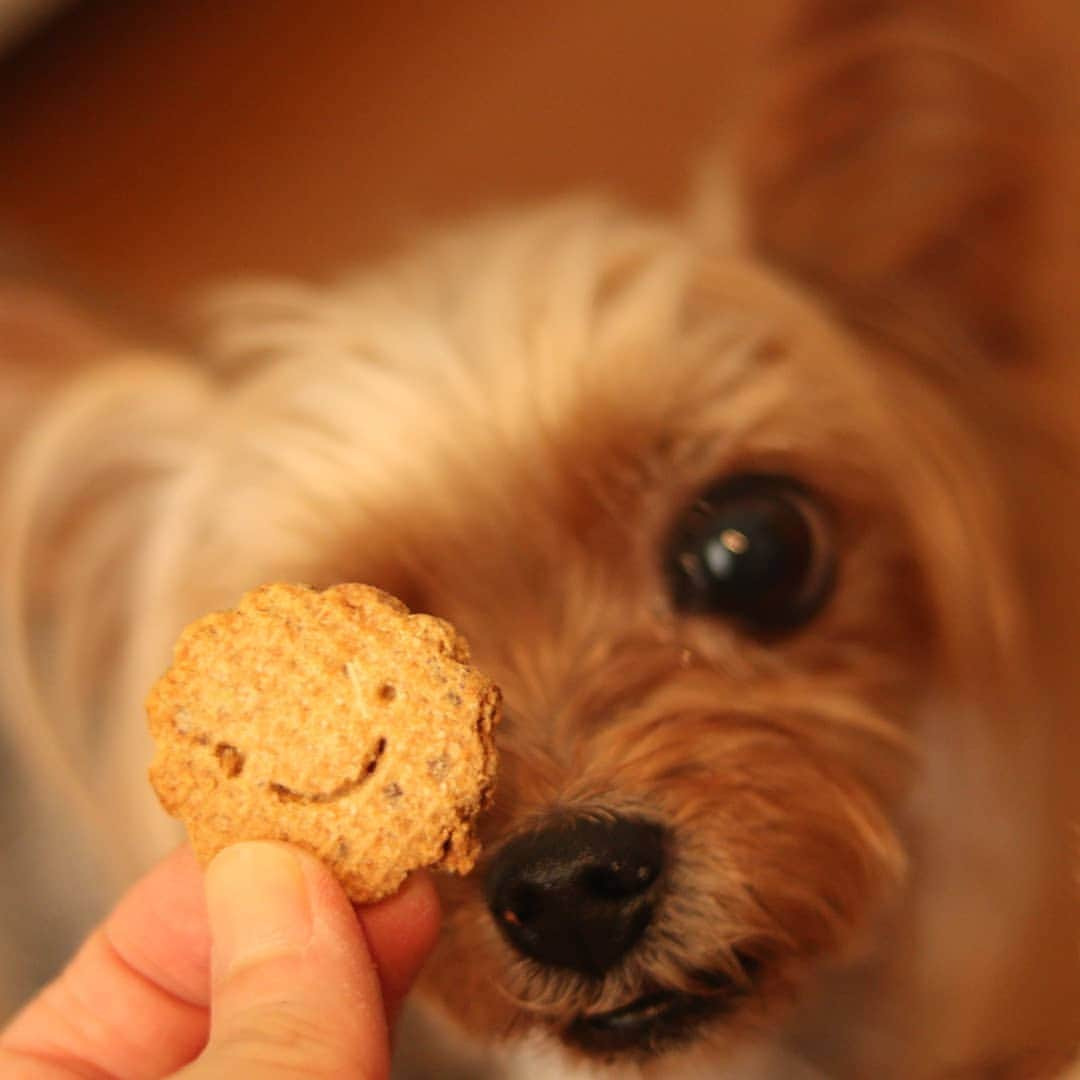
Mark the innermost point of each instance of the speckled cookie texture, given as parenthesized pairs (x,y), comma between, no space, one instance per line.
(335,720)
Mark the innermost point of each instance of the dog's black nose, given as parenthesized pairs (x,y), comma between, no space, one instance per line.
(577,893)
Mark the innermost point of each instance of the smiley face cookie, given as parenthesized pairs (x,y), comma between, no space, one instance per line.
(334,720)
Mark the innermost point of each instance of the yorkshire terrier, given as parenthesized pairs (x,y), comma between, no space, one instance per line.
(765,522)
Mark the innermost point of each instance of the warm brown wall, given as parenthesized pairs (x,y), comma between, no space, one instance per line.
(153,145)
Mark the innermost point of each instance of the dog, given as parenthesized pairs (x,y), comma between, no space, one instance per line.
(764,521)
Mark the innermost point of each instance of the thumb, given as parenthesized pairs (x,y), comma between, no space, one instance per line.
(294,988)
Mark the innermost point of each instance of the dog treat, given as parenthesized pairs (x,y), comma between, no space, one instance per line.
(334,720)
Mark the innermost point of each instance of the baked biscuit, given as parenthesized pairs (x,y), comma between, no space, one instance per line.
(334,720)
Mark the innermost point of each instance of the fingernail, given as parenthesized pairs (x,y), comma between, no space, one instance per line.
(258,904)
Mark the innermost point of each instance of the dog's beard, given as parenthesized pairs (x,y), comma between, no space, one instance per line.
(775,807)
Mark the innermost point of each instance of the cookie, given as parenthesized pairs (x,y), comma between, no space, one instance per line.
(333,720)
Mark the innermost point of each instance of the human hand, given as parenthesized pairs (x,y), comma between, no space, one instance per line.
(268,973)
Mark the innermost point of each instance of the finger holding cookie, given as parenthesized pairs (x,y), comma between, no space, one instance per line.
(319,747)
(272,943)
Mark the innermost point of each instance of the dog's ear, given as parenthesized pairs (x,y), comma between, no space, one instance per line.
(901,150)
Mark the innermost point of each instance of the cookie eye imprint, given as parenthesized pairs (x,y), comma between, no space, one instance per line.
(756,548)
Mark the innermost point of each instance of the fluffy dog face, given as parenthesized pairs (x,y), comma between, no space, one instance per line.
(579,492)
(769,753)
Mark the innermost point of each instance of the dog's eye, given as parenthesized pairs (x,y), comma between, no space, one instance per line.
(755,548)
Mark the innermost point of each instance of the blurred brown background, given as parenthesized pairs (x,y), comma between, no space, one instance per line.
(147,147)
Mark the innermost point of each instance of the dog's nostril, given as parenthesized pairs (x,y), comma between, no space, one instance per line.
(523,904)
(578,893)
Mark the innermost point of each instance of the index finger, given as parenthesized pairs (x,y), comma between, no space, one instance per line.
(134,1001)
